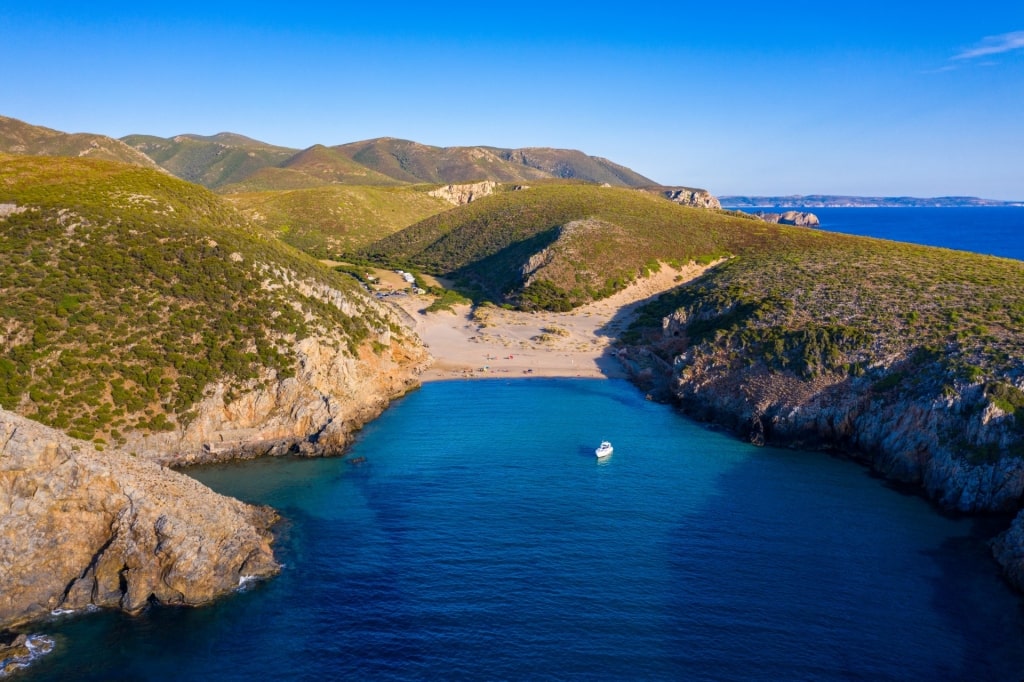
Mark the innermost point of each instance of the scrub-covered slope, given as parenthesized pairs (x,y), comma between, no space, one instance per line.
(144,311)
(559,245)
(907,356)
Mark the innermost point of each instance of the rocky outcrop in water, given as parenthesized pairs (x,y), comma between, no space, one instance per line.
(798,218)
(80,527)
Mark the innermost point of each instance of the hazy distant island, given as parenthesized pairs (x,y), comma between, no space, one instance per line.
(843,201)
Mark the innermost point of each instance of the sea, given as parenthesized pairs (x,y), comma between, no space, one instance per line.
(990,230)
(471,534)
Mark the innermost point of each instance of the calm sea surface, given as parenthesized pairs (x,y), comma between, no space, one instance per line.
(996,231)
(481,539)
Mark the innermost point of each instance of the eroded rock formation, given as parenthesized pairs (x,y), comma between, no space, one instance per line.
(332,395)
(81,527)
(798,218)
(463,194)
(687,196)
(935,440)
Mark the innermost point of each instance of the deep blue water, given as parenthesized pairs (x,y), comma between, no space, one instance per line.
(995,231)
(481,539)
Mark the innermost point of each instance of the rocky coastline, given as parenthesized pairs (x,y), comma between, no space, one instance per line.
(89,528)
(314,413)
(798,218)
(903,436)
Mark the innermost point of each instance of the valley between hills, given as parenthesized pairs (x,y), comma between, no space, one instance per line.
(170,301)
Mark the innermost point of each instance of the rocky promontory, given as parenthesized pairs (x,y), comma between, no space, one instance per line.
(687,196)
(315,412)
(798,218)
(82,527)
(905,357)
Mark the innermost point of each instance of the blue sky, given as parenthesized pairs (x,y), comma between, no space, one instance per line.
(740,98)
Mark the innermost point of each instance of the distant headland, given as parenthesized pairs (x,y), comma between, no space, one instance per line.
(842,201)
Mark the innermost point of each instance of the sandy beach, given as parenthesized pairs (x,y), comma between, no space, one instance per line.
(491,342)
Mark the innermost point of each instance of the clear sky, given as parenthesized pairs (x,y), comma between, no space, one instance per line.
(868,98)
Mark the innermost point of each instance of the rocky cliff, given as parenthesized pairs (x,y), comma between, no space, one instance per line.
(80,527)
(933,442)
(315,412)
(798,218)
(687,196)
(460,195)
(860,347)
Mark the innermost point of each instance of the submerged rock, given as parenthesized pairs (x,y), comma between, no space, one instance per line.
(19,651)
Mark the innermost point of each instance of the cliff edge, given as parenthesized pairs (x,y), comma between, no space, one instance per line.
(906,357)
(80,527)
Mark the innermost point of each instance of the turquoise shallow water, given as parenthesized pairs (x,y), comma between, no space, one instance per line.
(482,540)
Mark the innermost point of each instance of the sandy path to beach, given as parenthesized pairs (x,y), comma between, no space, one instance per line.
(493,342)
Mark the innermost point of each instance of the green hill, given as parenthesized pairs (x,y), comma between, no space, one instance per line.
(127,292)
(330,166)
(329,220)
(909,356)
(233,163)
(414,162)
(832,303)
(211,161)
(18,137)
(559,245)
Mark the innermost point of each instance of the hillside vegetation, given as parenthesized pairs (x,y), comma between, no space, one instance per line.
(211,161)
(18,137)
(414,162)
(124,293)
(843,304)
(559,245)
(326,221)
(808,338)
(231,163)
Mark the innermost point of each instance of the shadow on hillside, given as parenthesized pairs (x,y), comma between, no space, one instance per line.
(610,363)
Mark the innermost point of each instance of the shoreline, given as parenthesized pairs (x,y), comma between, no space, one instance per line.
(486,341)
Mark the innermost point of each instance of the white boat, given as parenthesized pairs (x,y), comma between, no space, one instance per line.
(604,450)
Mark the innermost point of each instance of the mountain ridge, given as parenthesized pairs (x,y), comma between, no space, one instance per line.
(19,137)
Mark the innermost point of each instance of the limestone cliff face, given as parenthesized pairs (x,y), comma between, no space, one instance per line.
(905,438)
(798,218)
(687,196)
(80,527)
(925,435)
(460,195)
(333,393)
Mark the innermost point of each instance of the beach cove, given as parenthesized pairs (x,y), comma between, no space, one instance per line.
(493,342)
(471,533)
